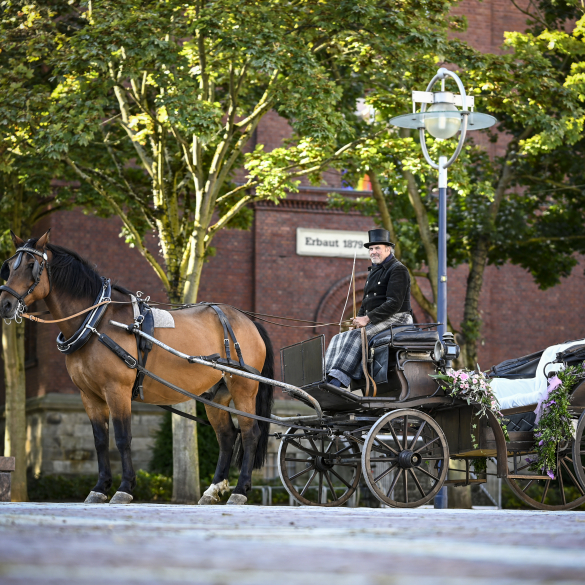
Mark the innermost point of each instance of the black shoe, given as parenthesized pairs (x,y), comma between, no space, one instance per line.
(334,382)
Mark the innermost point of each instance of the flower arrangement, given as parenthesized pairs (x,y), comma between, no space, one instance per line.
(473,387)
(553,420)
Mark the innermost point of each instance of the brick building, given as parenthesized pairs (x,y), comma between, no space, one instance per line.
(260,270)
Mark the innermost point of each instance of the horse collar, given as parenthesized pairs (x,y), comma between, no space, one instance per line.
(82,335)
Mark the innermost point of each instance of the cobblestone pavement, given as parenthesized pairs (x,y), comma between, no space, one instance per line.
(252,545)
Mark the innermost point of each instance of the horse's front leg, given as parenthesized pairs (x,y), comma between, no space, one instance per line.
(250,431)
(99,415)
(120,404)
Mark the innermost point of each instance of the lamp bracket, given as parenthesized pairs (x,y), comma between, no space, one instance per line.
(429,97)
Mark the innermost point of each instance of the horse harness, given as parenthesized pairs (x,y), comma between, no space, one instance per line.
(144,322)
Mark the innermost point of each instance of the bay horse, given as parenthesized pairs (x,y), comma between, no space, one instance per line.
(70,284)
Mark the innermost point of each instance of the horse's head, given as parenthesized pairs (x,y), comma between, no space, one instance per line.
(27,275)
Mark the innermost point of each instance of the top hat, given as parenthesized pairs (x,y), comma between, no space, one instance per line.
(378,237)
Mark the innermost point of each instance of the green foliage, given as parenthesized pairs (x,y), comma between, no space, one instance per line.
(162,453)
(555,424)
(153,105)
(479,464)
(161,461)
(150,487)
(474,388)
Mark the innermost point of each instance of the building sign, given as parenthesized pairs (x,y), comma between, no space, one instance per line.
(336,243)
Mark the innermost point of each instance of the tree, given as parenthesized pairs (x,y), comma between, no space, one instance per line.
(27,195)
(525,206)
(154,104)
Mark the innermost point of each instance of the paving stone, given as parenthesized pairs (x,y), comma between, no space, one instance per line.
(78,543)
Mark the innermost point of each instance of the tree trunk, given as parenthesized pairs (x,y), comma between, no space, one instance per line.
(15,433)
(471,325)
(425,304)
(186,482)
(186,488)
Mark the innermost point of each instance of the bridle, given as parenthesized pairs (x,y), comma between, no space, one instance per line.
(37,273)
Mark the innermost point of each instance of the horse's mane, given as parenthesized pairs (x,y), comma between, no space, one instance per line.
(73,274)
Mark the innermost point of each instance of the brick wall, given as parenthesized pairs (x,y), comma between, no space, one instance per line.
(259,269)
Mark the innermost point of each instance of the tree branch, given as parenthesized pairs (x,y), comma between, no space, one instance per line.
(125,220)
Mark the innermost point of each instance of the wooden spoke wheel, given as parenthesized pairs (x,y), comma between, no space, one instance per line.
(579,451)
(319,470)
(405,458)
(564,492)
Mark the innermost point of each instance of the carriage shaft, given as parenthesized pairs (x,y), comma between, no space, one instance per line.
(198,360)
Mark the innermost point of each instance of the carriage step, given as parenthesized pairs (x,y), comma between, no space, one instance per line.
(528,477)
(460,482)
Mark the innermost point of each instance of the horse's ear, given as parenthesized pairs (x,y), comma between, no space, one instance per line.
(18,242)
(43,240)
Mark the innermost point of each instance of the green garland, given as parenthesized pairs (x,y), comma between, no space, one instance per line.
(555,425)
(474,388)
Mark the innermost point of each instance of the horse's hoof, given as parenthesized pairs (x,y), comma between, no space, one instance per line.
(212,494)
(121,498)
(237,500)
(96,498)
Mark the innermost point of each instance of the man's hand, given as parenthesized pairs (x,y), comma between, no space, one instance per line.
(360,321)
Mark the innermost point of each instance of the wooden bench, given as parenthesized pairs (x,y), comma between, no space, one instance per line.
(6,468)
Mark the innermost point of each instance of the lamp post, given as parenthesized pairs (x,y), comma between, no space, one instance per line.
(443,120)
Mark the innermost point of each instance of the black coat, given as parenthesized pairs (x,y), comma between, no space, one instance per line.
(387,291)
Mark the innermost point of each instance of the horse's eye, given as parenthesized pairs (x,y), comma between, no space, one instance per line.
(31,265)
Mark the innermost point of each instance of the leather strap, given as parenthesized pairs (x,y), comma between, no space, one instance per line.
(83,334)
(201,421)
(227,330)
(133,364)
(143,346)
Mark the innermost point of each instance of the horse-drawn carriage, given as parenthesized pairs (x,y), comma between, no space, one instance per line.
(399,432)
(402,438)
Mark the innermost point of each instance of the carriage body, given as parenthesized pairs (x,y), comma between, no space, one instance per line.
(381,435)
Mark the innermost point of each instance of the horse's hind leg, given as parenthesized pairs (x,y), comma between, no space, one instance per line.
(245,400)
(226,434)
(99,416)
(121,407)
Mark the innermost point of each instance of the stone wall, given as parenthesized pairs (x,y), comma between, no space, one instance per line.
(60,438)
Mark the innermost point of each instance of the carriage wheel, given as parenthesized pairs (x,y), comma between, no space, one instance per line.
(564,492)
(318,470)
(405,458)
(579,451)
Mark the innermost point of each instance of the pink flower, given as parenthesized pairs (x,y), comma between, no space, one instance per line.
(464,376)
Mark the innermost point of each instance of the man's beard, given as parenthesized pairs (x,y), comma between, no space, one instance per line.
(376,260)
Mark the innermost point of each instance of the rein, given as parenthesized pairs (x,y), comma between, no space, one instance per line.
(32,317)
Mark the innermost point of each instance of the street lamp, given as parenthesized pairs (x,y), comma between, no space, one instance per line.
(443,120)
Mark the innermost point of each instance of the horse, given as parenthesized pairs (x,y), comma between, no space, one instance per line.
(69,284)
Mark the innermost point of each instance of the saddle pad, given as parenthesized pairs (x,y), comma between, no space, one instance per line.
(162,319)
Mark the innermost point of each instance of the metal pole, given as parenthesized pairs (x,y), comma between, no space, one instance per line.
(442,273)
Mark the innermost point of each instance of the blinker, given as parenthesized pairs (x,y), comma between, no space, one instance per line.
(5,270)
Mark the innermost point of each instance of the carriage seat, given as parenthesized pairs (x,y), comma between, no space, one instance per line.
(405,335)
(515,391)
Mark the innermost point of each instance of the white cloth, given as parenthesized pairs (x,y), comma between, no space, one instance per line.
(515,393)
(162,319)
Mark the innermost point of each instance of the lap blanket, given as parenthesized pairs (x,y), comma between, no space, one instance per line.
(515,393)
(344,354)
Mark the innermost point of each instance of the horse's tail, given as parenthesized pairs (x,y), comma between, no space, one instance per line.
(264,402)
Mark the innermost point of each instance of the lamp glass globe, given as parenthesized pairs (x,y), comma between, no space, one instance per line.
(443,126)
